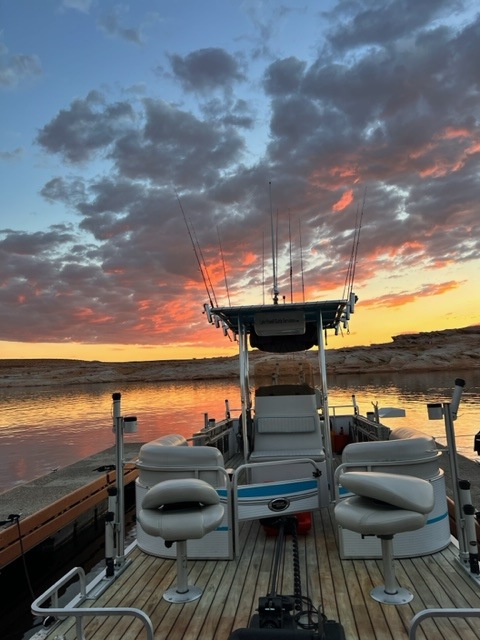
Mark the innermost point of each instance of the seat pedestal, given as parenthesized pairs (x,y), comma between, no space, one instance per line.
(183,592)
(390,593)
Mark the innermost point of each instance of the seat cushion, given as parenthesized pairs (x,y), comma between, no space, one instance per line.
(405,492)
(369,517)
(181,509)
(174,524)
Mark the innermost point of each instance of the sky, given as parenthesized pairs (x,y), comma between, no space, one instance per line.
(149,148)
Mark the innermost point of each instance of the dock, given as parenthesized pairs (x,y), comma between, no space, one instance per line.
(60,499)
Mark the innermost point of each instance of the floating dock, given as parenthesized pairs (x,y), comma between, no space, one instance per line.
(60,499)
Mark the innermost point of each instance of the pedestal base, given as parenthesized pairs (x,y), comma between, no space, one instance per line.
(402,596)
(172,595)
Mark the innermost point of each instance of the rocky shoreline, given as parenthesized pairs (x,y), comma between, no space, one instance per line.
(448,350)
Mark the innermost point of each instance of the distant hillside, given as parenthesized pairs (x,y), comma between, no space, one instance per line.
(426,351)
(452,349)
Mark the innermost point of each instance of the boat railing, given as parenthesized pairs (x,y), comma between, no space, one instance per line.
(334,409)
(217,434)
(364,429)
(439,613)
(78,612)
(252,501)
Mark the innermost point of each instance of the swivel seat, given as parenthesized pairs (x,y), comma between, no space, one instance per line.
(385,504)
(180,510)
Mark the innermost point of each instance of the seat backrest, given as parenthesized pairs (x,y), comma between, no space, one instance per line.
(157,463)
(416,455)
(285,422)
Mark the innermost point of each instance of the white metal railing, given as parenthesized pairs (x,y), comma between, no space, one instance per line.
(79,613)
(439,613)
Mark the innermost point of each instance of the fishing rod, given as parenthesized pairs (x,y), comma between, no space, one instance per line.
(224,268)
(350,276)
(290,249)
(301,259)
(274,264)
(263,267)
(198,254)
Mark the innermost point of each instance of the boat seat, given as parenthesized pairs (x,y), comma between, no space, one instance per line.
(177,511)
(410,452)
(281,423)
(383,505)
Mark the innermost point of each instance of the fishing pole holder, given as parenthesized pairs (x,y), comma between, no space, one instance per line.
(464,511)
(115,516)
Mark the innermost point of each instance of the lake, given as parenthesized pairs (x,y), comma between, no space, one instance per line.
(44,428)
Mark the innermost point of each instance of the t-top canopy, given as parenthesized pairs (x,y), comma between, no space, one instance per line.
(282,328)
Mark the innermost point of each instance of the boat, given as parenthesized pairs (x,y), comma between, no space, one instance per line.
(288,518)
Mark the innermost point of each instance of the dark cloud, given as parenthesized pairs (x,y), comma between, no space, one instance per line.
(284,76)
(382,22)
(24,243)
(88,126)
(206,70)
(176,148)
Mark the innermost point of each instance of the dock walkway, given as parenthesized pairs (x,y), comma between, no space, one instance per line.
(49,503)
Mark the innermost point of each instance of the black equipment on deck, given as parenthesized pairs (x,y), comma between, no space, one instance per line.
(282,617)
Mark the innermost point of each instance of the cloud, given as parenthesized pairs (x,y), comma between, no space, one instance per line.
(396,118)
(13,154)
(382,22)
(206,70)
(17,68)
(402,298)
(110,24)
(85,128)
(79,5)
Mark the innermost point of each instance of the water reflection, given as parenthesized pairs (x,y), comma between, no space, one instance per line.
(45,428)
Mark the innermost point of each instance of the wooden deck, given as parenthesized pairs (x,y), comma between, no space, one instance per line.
(340,588)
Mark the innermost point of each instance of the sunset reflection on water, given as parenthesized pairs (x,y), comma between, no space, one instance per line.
(42,429)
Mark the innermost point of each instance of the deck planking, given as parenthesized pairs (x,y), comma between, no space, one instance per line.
(232,589)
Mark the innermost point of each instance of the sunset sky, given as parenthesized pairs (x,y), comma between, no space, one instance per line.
(316,111)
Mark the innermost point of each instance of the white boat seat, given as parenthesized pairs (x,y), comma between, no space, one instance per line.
(158,461)
(410,453)
(385,504)
(180,510)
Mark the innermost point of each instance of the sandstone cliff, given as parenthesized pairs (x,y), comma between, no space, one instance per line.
(452,349)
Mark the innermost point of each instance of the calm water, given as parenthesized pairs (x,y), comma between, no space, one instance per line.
(42,429)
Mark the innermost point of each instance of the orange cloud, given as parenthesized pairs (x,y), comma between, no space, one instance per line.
(249,258)
(452,132)
(344,202)
(407,297)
